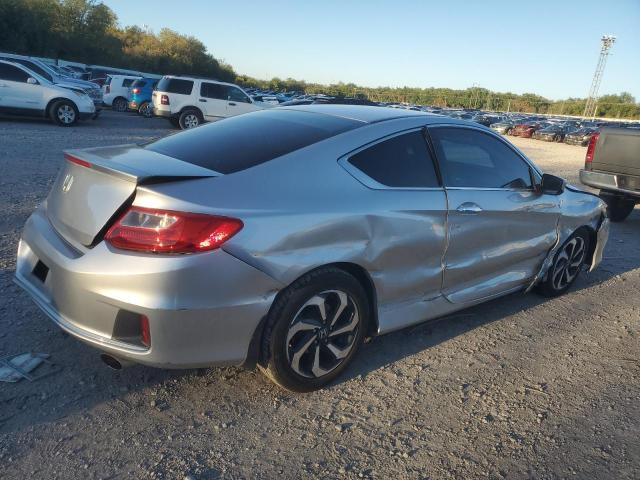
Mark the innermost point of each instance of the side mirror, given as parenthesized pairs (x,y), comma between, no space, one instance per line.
(551,185)
(32,81)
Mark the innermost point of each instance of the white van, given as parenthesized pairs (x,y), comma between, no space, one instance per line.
(116,91)
(24,92)
(189,101)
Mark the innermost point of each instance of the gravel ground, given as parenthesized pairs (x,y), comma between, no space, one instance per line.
(521,387)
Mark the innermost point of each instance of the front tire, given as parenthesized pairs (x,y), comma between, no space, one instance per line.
(567,265)
(314,330)
(190,118)
(619,207)
(64,113)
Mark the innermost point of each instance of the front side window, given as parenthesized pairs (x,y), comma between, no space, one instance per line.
(401,162)
(236,95)
(12,74)
(473,159)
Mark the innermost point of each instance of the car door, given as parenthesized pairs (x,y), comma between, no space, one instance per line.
(500,228)
(16,94)
(239,102)
(213,100)
(406,208)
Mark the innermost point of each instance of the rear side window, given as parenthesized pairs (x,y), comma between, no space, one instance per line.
(473,159)
(12,74)
(175,85)
(126,82)
(237,143)
(213,90)
(402,162)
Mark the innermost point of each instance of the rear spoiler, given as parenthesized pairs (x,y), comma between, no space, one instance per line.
(137,165)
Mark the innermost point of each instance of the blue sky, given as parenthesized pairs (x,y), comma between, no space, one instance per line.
(545,47)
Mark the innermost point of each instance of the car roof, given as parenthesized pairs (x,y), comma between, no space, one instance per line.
(368,113)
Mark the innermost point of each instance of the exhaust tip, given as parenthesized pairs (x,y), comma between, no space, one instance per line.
(111,362)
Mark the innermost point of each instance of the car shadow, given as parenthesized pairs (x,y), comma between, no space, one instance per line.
(83,382)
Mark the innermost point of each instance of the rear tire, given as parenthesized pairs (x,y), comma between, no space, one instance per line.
(190,118)
(619,207)
(567,265)
(146,110)
(120,104)
(64,113)
(314,330)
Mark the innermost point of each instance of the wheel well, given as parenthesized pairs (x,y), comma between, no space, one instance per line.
(189,107)
(255,351)
(57,99)
(593,239)
(119,97)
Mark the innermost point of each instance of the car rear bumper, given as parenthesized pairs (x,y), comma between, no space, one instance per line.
(203,309)
(613,182)
(162,113)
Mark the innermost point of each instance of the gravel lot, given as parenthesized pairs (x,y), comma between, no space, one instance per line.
(521,387)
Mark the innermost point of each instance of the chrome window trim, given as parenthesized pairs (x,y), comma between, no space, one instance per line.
(369,182)
(491,133)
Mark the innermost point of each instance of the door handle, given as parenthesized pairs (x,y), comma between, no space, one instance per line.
(202,100)
(232,104)
(469,208)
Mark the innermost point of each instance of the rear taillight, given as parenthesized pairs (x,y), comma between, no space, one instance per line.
(588,159)
(165,231)
(164,99)
(145,331)
(107,89)
(135,91)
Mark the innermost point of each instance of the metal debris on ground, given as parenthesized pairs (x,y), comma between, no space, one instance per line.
(16,367)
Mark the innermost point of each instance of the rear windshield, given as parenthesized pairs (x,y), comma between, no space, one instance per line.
(139,84)
(244,141)
(175,85)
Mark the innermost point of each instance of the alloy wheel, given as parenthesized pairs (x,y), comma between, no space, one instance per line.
(146,110)
(191,120)
(568,263)
(322,333)
(66,114)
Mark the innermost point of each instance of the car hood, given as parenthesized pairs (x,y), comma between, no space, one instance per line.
(74,83)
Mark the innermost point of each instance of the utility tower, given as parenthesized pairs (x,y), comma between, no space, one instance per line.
(592,100)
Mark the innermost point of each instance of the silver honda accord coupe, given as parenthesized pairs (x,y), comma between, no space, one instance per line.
(283,238)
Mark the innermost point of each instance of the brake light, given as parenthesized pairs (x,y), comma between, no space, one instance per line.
(135,90)
(164,99)
(107,89)
(77,161)
(588,159)
(145,331)
(166,231)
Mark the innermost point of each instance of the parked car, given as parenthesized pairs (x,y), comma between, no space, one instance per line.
(526,129)
(25,92)
(46,72)
(219,245)
(486,119)
(187,102)
(116,91)
(504,127)
(581,137)
(612,164)
(140,96)
(553,133)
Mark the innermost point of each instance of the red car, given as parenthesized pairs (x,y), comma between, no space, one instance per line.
(526,129)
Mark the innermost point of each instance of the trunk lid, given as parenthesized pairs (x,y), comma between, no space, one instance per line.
(618,151)
(95,185)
